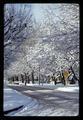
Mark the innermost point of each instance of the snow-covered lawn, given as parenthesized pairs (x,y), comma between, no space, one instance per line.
(69,89)
(14,99)
(59,87)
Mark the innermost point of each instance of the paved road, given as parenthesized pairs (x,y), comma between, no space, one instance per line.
(50,98)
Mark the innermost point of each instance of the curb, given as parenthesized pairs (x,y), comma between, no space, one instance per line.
(14,109)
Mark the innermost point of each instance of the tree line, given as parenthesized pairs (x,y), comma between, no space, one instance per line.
(50,44)
(66,76)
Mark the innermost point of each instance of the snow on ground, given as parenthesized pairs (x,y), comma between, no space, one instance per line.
(69,89)
(33,107)
(59,87)
(13,99)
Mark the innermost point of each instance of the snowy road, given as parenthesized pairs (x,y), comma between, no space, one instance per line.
(51,102)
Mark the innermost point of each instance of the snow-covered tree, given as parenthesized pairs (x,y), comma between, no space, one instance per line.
(50,46)
(17,27)
(62,22)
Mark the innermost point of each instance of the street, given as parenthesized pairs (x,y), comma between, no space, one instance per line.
(66,103)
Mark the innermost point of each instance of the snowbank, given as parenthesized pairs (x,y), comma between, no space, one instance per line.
(69,89)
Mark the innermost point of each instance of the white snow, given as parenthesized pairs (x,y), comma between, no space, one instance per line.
(59,87)
(68,89)
(32,107)
(13,99)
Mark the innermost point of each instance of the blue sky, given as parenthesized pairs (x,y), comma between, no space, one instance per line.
(38,11)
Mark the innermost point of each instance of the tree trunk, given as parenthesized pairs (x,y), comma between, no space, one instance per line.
(33,77)
(39,76)
(28,79)
(22,78)
(74,74)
